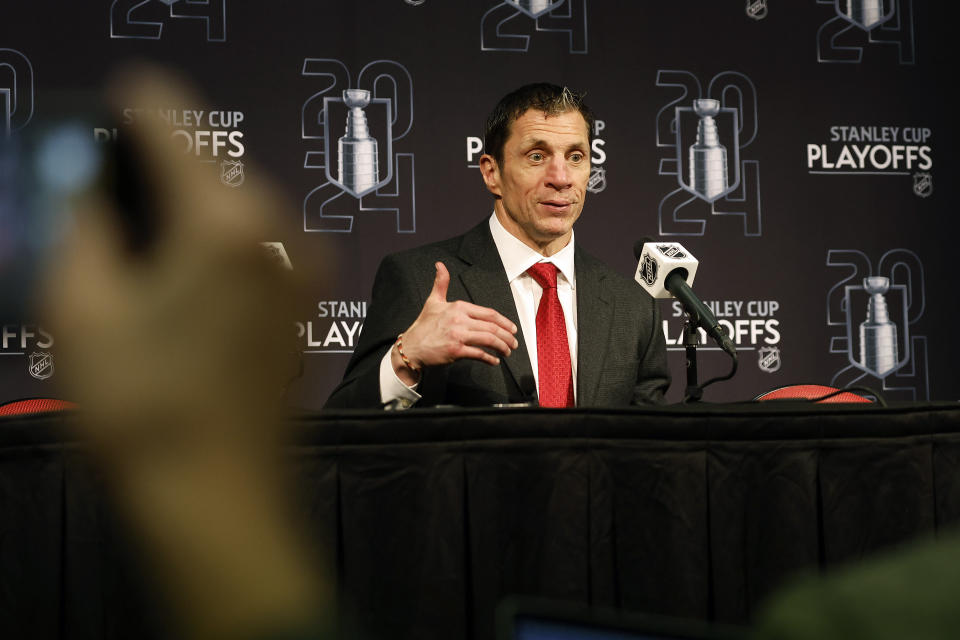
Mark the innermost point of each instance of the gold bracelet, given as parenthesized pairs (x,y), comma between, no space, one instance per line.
(406,360)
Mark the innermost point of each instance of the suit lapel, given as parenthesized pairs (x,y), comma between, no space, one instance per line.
(486,283)
(594,315)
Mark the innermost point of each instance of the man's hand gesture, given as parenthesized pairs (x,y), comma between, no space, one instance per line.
(448,331)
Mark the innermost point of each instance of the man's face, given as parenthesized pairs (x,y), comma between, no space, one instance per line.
(542,180)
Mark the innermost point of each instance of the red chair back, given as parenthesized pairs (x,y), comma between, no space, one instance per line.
(35,405)
(810,392)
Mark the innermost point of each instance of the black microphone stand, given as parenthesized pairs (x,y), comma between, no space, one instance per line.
(693,392)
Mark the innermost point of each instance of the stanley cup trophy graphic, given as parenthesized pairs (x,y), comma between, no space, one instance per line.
(357,151)
(534,7)
(878,335)
(708,158)
(868,13)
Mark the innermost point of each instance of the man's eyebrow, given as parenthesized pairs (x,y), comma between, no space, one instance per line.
(539,142)
(536,142)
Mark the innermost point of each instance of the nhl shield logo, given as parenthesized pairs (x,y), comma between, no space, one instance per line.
(671,251)
(534,8)
(769,359)
(598,179)
(231,173)
(40,365)
(923,184)
(648,269)
(866,14)
(757,9)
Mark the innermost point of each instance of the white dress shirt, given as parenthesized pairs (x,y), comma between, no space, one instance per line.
(516,258)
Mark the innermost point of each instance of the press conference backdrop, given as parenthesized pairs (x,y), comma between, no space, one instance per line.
(819,197)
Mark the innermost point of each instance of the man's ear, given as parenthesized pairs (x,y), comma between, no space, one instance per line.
(490,171)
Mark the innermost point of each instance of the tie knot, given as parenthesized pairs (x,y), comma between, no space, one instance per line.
(545,273)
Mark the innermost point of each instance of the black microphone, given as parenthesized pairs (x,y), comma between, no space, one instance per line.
(666,269)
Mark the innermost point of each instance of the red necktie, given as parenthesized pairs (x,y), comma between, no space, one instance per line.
(553,351)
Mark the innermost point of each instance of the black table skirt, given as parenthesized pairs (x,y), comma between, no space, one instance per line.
(428,518)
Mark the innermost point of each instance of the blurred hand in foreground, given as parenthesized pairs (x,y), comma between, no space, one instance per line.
(178,354)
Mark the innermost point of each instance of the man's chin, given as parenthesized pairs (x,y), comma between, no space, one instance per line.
(551,235)
(554,228)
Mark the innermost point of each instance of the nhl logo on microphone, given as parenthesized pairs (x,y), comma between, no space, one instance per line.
(647,269)
(657,261)
(672,251)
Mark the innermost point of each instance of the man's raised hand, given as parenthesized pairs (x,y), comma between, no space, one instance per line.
(448,331)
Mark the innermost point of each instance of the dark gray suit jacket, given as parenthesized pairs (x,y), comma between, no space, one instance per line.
(621,350)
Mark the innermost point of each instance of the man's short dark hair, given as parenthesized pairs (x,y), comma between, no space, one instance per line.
(552,99)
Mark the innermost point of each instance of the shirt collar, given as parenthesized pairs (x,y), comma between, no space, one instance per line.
(518,257)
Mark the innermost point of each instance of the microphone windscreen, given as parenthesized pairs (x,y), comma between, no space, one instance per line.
(658,261)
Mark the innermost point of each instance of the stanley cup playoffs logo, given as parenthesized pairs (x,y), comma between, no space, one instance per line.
(859,25)
(701,135)
(352,129)
(509,25)
(873,311)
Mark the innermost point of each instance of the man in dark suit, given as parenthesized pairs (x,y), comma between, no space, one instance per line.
(515,309)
